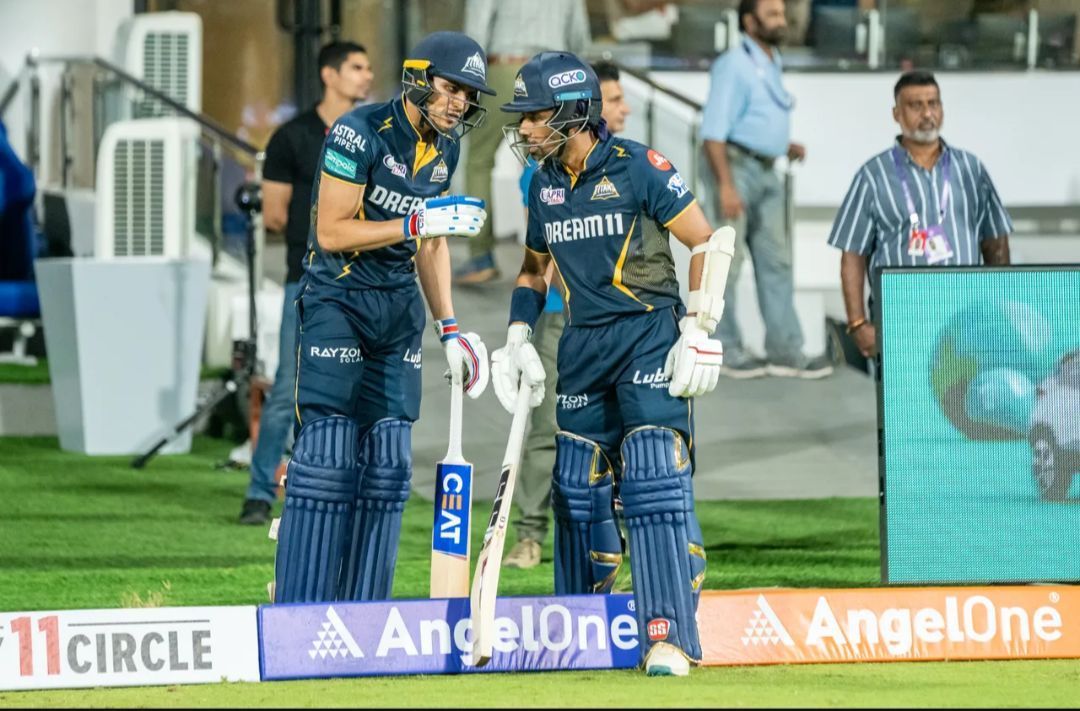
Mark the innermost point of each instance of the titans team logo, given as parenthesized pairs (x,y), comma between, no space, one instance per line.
(604,190)
(519,87)
(475,65)
(440,173)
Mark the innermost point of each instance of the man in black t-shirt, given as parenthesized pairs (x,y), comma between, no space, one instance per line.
(292,158)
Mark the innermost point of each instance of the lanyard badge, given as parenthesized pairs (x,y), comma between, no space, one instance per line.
(930,242)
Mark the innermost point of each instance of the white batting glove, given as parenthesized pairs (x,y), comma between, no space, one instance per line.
(693,363)
(516,362)
(453,215)
(467,357)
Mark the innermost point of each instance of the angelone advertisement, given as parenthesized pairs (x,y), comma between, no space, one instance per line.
(784,626)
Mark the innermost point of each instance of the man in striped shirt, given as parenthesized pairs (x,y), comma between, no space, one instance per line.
(920,203)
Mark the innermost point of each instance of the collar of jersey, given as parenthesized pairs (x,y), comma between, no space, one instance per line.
(423,152)
(595,158)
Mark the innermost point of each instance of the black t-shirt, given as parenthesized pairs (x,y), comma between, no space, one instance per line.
(293,157)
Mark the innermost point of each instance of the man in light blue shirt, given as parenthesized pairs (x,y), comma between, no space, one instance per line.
(747,126)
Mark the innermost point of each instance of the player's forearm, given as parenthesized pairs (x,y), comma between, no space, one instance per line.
(716,151)
(433,267)
(697,264)
(348,235)
(852,280)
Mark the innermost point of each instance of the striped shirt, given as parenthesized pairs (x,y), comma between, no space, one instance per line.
(874,219)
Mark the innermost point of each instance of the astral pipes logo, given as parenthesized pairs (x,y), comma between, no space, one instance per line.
(551,628)
(976,619)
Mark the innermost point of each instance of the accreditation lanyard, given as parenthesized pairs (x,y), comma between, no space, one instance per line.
(902,173)
(785,100)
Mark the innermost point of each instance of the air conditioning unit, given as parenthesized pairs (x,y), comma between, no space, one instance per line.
(163,49)
(146,189)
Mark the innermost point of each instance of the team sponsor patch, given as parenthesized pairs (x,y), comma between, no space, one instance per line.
(574,76)
(552,196)
(656,380)
(572,402)
(677,185)
(348,139)
(658,629)
(440,172)
(396,168)
(604,190)
(658,161)
(519,87)
(349,354)
(339,165)
(411,357)
(475,65)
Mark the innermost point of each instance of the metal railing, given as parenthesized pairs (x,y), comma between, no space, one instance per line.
(104,77)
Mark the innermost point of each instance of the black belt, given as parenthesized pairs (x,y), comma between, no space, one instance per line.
(759,157)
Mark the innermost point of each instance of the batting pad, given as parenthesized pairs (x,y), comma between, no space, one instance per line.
(319,497)
(667,558)
(588,551)
(383,489)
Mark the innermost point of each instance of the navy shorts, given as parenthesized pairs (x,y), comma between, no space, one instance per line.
(611,380)
(358,353)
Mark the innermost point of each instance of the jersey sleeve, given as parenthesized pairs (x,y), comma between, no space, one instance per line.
(665,193)
(348,150)
(280,163)
(534,229)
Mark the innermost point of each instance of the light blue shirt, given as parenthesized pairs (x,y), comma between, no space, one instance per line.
(747,102)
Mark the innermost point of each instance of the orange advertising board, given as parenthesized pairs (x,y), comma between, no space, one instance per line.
(786,626)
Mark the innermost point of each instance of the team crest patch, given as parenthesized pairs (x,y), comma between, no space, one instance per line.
(475,65)
(396,168)
(440,173)
(604,190)
(339,165)
(658,161)
(519,87)
(677,185)
(553,196)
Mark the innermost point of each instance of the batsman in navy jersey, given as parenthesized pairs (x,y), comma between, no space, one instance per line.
(631,357)
(379,218)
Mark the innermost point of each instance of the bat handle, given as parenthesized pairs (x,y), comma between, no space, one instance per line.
(453,452)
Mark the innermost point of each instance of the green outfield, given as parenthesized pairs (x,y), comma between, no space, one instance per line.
(84,532)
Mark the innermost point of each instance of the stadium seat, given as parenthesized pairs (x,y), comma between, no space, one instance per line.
(19,307)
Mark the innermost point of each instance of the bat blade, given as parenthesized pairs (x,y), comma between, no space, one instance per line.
(451,528)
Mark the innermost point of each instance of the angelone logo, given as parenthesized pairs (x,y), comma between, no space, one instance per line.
(604,190)
(334,639)
(574,76)
(440,172)
(791,626)
(475,65)
(552,196)
(519,87)
(396,168)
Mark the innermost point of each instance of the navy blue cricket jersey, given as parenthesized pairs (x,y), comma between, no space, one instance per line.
(378,147)
(607,231)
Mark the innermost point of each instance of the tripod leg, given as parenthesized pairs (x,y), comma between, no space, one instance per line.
(228,388)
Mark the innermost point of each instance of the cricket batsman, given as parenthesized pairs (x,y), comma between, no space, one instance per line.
(632,356)
(380,216)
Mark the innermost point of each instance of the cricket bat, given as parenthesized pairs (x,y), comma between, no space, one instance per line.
(453,501)
(486,578)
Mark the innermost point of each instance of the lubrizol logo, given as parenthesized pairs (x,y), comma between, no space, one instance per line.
(475,65)
(764,627)
(604,190)
(334,639)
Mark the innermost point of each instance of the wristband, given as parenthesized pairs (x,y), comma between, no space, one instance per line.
(856,325)
(446,329)
(413,225)
(526,305)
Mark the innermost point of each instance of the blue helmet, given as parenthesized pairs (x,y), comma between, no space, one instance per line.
(559,81)
(454,57)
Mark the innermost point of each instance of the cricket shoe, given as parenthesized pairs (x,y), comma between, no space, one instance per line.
(666,660)
(525,554)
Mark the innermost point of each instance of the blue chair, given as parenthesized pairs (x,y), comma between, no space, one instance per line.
(19,306)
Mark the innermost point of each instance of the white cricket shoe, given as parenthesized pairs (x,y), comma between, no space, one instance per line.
(666,660)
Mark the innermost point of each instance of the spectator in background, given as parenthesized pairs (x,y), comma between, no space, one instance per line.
(511,31)
(533,492)
(292,157)
(746,126)
(920,203)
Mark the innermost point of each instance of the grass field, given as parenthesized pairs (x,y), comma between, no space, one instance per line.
(84,532)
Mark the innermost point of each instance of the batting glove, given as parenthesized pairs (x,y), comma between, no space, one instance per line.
(693,363)
(454,215)
(517,362)
(467,357)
